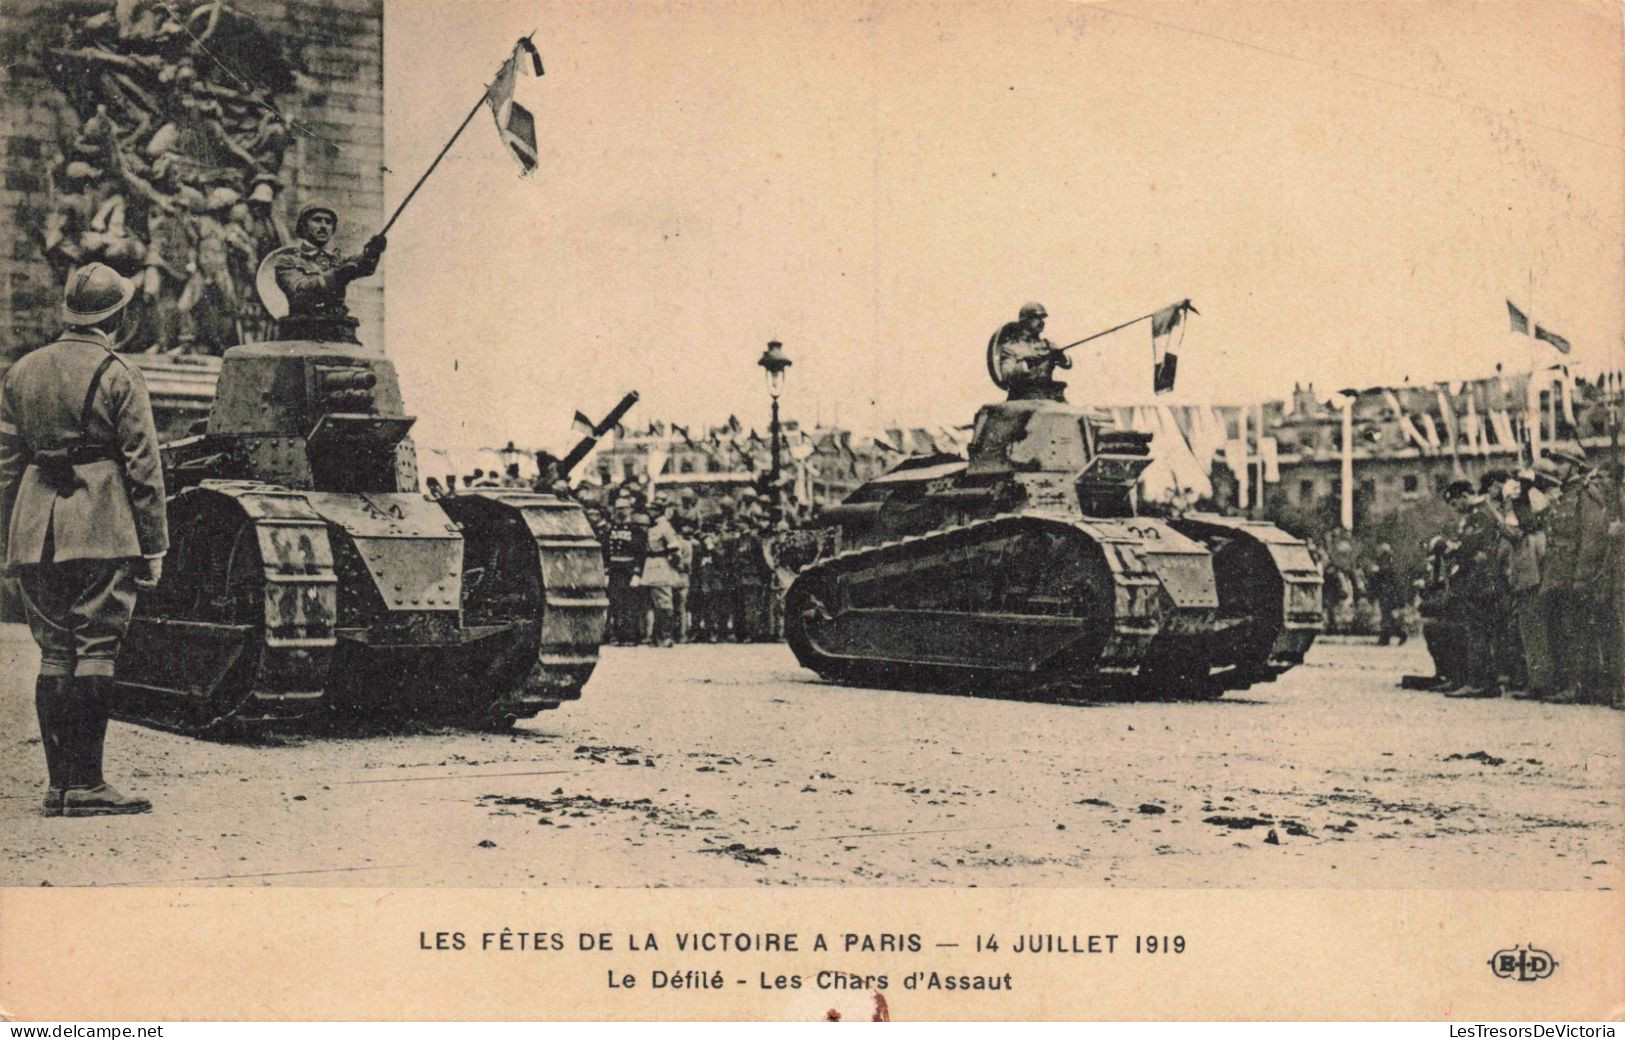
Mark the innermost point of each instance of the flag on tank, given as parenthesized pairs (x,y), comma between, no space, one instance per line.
(514,122)
(1164,362)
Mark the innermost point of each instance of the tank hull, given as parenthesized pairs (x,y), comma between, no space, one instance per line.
(1039,604)
(282,607)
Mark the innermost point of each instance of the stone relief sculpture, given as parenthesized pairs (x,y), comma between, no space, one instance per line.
(174,174)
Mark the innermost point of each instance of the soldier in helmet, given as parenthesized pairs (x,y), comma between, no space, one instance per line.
(314,278)
(1024,360)
(82,526)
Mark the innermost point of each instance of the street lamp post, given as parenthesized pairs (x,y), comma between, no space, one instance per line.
(774,362)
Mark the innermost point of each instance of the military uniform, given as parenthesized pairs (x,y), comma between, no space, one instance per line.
(1478,595)
(716,585)
(753,588)
(661,578)
(314,279)
(1027,362)
(1526,558)
(1598,623)
(1388,589)
(81,502)
(1562,610)
(1441,633)
(626,548)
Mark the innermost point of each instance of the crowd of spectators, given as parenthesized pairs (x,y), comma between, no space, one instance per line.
(1523,594)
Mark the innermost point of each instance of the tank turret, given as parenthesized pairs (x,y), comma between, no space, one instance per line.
(1025,568)
(308,575)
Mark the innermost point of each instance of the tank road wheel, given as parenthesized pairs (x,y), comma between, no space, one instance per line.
(227,644)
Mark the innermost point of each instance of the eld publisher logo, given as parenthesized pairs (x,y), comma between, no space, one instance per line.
(1523,964)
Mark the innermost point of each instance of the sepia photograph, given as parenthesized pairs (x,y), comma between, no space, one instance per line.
(842,453)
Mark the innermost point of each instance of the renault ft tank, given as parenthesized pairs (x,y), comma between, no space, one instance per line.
(308,575)
(1024,571)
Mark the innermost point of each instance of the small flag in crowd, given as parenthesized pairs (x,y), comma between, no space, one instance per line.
(1164,362)
(581,424)
(1553,338)
(514,121)
(1520,320)
(1521,323)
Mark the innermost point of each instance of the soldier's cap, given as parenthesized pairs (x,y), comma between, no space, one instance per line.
(1570,453)
(1033,310)
(267,178)
(94,292)
(1458,489)
(262,192)
(222,198)
(79,170)
(313,206)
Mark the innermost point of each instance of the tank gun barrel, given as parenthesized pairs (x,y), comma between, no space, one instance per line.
(583,446)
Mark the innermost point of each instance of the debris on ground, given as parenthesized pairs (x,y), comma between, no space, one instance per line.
(1476,756)
(745,854)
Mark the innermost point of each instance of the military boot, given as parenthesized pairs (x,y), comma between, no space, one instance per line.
(88,794)
(48,707)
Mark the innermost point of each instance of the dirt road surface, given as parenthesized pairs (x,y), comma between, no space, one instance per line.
(729,765)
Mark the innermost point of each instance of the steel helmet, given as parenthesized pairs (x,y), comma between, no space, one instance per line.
(94,292)
(1033,310)
(313,206)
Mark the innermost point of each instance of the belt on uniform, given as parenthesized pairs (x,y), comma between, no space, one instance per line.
(60,466)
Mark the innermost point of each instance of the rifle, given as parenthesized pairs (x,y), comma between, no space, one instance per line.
(585,445)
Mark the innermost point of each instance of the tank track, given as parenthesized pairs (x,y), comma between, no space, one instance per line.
(575,608)
(1045,606)
(241,631)
(255,625)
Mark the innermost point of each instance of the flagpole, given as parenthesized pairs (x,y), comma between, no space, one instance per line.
(464,126)
(459,132)
(1108,332)
(1531,402)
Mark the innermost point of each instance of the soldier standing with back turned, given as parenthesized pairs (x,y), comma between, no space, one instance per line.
(83,524)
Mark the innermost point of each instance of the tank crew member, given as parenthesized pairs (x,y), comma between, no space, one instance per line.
(661,575)
(1026,360)
(83,525)
(314,278)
